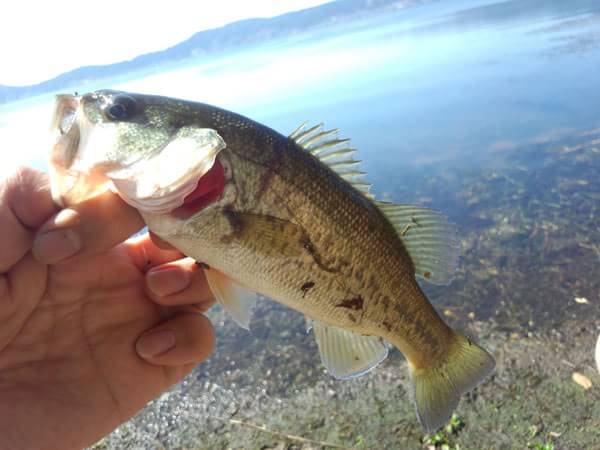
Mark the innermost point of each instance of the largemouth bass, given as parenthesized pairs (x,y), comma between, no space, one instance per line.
(290,218)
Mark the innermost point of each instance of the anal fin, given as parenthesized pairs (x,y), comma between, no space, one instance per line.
(235,299)
(346,354)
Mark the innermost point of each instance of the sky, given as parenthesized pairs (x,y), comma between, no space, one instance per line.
(41,40)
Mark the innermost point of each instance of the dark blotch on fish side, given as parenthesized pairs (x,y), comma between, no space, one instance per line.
(355,303)
(386,304)
(306,287)
(305,241)
(237,224)
(235,220)
(387,325)
(310,248)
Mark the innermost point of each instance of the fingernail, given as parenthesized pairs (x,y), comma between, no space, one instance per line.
(66,218)
(155,343)
(54,246)
(168,281)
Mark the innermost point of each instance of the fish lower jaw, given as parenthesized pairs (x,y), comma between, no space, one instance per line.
(164,226)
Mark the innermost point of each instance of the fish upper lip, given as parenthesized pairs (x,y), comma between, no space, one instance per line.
(65,112)
(66,128)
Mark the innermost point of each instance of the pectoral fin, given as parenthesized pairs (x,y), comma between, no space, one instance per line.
(346,354)
(235,299)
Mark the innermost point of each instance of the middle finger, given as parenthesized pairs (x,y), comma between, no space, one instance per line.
(171,278)
(180,282)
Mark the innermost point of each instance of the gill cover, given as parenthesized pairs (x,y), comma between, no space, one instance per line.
(160,183)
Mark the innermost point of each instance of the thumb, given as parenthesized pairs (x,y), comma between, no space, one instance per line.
(90,227)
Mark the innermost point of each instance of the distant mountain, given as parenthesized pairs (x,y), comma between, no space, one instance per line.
(237,34)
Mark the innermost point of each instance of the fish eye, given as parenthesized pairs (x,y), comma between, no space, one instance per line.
(121,108)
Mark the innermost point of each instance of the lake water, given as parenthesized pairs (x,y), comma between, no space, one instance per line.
(486,110)
(456,81)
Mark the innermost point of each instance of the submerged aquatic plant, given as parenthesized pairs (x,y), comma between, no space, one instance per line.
(443,438)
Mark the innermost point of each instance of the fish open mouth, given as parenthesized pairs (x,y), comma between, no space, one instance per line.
(66,113)
(174,170)
(70,182)
(64,124)
(69,186)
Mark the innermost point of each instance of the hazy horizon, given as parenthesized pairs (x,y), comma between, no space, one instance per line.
(64,41)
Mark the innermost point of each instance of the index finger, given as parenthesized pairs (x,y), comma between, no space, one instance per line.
(92,226)
(25,204)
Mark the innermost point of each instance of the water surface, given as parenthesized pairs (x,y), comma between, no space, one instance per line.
(455,81)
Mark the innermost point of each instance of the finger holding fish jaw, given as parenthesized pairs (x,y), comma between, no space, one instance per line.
(102,222)
(184,336)
(85,229)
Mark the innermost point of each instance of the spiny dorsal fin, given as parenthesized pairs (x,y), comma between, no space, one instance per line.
(334,152)
(430,239)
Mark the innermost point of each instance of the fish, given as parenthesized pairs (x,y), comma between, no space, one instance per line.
(288,217)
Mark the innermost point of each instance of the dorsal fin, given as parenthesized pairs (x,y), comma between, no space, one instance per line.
(430,239)
(334,152)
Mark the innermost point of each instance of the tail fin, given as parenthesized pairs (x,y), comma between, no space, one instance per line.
(438,389)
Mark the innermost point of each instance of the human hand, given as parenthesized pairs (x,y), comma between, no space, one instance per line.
(92,328)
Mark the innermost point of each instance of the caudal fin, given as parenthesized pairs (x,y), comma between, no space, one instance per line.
(438,389)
